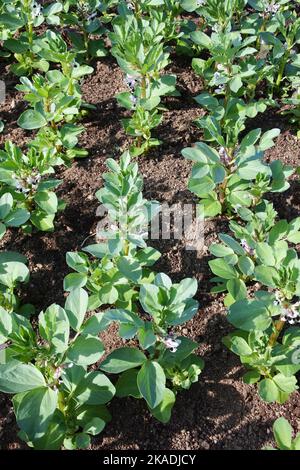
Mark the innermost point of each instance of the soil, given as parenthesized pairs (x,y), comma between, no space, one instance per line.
(220,411)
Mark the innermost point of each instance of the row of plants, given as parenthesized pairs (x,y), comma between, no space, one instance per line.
(54,105)
(248,52)
(50,364)
(251,63)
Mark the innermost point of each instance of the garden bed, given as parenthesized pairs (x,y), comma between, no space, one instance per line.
(220,411)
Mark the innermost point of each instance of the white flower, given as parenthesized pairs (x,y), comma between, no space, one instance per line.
(200,3)
(291,314)
(272,8)
(133,100)
(36,9)
(224,156)
(131,81)
(217,76)
(220,89)
(130,5)
(58,372)
(246,247)
(171,343)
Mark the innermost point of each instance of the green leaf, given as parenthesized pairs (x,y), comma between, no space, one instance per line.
(95,426)
(265,254)
(268,391)
(5,325)
(222,269)
(17,218)
(6,204)
(246,265)
(201,39)
(108,294)
(17,377)
(267,275)
(237,289)
(251,377)
(285,384)
(239,346)
(13,269)
(164,409)
(249,315)
(54,437)
(201,186)
(127,384)
(232,243)
(47,201)
(94,389)
(34,411)
(283,433)
(147,256)
(149,298)
(76,307)
(123,359)
(130,268)
(210,207)
(31,119)
(235,84)
(42,221)
(219,250)
(85,350)
(266,140)
(151,382)
(146,335)
(98,250)
(74,281)
(54,328)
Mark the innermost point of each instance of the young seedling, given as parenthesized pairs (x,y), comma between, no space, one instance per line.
(57,400)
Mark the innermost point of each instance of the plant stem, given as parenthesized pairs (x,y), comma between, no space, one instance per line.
(281,69)
(279,324)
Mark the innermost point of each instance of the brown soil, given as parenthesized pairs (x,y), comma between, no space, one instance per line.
(219,412)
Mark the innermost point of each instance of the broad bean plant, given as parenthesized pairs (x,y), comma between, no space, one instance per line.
(229,177)
(22,18)
(122,258)
(57,400)
(13,272)
(164,362)
(56,103)
(27,192)
(138,44)
(90,17)
(257,246)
